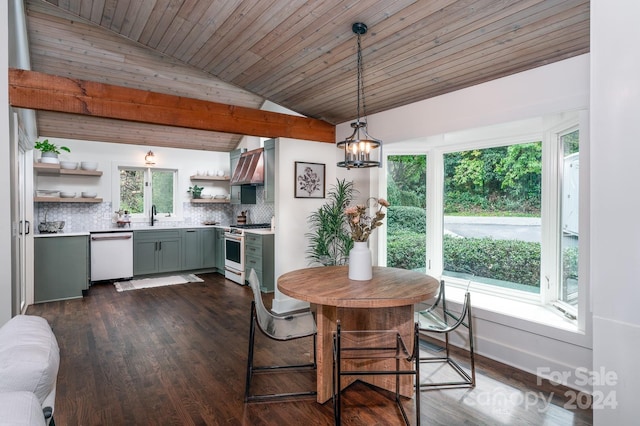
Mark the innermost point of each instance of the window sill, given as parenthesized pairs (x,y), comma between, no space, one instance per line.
(527,316)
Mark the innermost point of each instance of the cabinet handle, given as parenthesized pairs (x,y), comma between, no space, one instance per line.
(160,245)
(191,230)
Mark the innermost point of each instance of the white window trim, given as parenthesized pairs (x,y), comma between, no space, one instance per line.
(144,217)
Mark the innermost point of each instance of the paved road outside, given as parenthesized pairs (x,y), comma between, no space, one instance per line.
(499,228)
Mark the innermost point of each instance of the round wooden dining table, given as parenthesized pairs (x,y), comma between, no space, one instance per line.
(386,302)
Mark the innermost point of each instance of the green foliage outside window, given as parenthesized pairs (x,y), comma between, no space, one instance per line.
(132,191)
(510,261)
(500,181)
(162,190)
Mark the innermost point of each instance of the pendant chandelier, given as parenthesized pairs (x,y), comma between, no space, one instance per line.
(360,149)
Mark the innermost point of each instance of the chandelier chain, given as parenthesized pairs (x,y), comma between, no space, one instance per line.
(360,73)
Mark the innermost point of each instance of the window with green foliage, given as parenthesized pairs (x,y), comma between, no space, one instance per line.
(406,218)
(132,190)
(502,216)
(141,188)
(492,215)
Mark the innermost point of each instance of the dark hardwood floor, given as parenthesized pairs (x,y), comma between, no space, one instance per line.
(177,356)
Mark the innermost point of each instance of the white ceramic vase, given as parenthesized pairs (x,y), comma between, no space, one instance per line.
(360,268)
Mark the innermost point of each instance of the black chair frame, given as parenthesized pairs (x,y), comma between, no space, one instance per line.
(401,352)
(467,379)
(251,368)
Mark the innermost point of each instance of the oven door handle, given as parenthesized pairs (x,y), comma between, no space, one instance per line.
(232,271)
(233,238)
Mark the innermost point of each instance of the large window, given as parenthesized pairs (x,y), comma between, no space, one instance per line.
(406,224)
(502,211)
(492,215)
(142,188)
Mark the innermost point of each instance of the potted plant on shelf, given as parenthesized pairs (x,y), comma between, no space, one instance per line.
(49,152)
(195,191)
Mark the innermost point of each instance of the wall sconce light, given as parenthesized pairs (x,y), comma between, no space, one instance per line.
(150,159)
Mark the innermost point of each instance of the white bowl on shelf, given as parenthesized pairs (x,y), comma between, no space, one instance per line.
(64,194)
(89,165)
(47,193)
(89,194)
(69,165)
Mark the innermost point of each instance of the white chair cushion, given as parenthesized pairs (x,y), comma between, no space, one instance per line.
(29,357)
(20,409)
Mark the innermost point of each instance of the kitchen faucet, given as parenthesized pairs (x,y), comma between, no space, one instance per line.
(153,214)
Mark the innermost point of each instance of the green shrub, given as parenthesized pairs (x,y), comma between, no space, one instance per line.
(505,260)
(406,250)
(405,218)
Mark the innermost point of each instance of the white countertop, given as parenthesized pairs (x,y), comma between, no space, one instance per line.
(145,227)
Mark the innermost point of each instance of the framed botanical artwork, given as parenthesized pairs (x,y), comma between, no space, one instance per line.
(309,180)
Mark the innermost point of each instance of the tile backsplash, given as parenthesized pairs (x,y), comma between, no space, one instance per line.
(82,217)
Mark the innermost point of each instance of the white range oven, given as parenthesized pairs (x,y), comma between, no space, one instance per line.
(234,251)
(234,255)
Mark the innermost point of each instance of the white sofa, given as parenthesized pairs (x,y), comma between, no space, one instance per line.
(29,361)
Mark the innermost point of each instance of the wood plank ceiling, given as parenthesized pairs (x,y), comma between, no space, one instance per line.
(299,54)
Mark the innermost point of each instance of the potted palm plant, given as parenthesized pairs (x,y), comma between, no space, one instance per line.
(49,151)
(329,237)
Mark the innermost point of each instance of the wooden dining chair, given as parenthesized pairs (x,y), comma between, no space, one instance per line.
(369,346)
(443,322)
(280,328)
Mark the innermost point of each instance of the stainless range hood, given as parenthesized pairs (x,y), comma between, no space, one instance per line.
(250,168)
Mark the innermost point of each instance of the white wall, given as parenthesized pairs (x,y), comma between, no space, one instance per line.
(291,213)
(554,88)
(558,87)
(5,185)
(615,229)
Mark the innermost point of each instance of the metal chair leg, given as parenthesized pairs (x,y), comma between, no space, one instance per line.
(251,368)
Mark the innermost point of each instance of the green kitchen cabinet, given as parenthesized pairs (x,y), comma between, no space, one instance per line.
(240,194)
(61,267)
(243,194)
(191,248)
(209,244)
(258,255)
(220,250)
(199,248)
(270,171)
(157,251)
(234,158)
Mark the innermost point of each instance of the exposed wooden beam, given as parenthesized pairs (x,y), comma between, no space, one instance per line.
(40,91)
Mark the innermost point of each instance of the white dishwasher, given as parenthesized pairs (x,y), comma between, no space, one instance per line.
(111,255)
